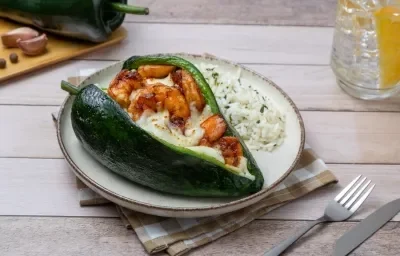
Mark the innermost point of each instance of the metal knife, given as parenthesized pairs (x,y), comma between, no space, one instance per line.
(367,227)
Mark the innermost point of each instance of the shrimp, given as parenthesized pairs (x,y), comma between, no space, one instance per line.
(156,98)
(177,107)
(231,150)
(189,88)
(155,71)
(145,99)
(214,127)
(122,86)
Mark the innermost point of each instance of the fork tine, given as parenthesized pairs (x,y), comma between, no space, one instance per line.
(356,196)
(362,199)
(347,197)
(347,188)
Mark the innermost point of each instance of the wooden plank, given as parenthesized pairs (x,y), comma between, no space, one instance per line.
(259,236)
(42,187)
(351,137)
(338,137)
(310,87)
(28,134)
(43,87)
(53,192)
(271,12)
(67,236)
(96,236)
(239,43)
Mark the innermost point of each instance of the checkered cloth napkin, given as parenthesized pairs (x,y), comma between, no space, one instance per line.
(177,236)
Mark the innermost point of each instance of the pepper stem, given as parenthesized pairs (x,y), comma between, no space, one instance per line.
(72,89)
(129,8)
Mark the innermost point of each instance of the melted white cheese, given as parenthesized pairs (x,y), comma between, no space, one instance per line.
(241,169)
(166,80)
(196,118)
(159,125)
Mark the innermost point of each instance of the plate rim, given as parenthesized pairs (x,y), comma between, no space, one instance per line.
(258,195)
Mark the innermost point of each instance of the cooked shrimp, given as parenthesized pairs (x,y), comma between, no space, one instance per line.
(177,78)
(150,97)
(122,86)
(155,71)
(177,107)
(231,150)
(214,127)
(145,99)
(157,97)
(189,88)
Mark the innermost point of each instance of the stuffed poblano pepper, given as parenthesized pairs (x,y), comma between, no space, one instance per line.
(159,125)
(90,20)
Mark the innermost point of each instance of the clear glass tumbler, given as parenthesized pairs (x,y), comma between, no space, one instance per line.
(366,48)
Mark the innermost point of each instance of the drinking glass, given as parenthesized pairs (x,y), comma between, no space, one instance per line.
(365,55)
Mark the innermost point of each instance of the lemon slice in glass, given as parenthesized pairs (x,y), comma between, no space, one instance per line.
(388,39)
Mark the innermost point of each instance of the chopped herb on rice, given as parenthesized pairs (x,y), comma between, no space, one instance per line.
(215,76)
(262,108)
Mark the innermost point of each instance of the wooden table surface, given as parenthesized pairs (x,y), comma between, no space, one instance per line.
(288,41)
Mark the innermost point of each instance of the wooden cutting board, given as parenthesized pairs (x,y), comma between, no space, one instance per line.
(58,49)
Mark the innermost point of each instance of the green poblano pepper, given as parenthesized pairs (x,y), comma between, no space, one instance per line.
(90,20)
(110,135)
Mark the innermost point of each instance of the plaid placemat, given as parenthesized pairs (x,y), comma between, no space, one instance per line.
(177,236)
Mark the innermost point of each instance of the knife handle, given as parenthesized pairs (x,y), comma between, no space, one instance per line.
(277,250)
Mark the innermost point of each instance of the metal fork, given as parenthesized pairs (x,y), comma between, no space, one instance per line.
(339,209)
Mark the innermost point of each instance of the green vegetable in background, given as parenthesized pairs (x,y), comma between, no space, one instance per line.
(109,134)
(90,20)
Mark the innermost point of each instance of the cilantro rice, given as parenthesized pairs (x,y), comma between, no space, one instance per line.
(253,115)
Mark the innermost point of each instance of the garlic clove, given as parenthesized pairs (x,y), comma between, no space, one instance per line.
(9,39)
(34,46)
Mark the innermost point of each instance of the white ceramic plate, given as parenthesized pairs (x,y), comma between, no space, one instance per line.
(275,166)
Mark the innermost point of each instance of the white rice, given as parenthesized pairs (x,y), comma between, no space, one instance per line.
(254,116)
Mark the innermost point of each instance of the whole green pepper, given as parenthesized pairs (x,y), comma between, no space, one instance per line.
(90,20)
